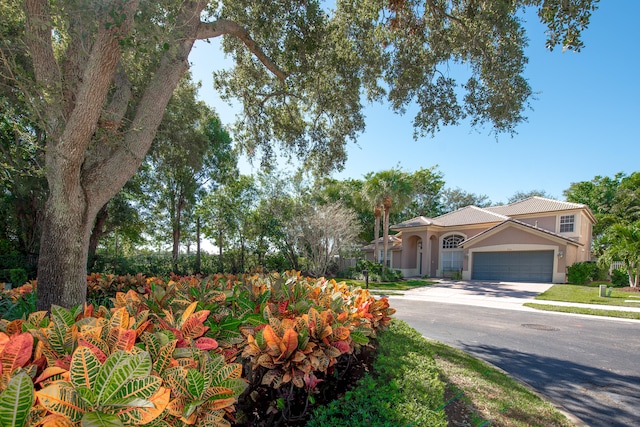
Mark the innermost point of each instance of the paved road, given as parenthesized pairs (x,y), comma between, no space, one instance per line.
(588,366)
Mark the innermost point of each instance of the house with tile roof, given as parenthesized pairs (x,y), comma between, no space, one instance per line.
(533,240)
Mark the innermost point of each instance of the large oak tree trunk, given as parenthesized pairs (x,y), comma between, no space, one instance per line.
(63,253)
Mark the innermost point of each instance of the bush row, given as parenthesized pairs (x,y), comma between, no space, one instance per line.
(15,276)
(582,273)
(404,388)
(190,350)
(375,271)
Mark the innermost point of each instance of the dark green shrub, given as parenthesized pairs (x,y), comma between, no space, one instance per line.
(17,308)
(581,273)
(376,273)
(404,388)
(18,276)
(619,277)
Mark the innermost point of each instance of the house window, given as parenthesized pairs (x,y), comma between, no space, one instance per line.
(566,223)
(451,261)
(452,242)
(381,257)
(451,254)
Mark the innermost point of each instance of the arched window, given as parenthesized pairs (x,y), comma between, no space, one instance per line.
(452,242)
(451,255)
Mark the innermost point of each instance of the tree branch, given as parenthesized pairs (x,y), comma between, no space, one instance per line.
(117,108)
(45,66)
(221,27)
(38,19)
(109,168)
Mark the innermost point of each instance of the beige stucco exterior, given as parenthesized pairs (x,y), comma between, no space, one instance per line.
(419,248)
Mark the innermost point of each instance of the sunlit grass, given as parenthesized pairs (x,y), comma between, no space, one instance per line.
(490,396)
(588,295)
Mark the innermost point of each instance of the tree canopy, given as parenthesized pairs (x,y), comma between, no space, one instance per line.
(97,77)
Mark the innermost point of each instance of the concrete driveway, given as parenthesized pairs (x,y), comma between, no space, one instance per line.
(508,295)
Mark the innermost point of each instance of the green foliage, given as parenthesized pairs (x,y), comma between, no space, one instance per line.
(17,304)
(167,349)
(376,272)
(619,277)
(622,243)
(403,389)
(16,401)
(120,389)
(612,200)
(18,276)
(155,264)
(581,273)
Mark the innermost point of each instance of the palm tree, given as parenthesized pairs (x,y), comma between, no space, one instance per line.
(387,203)
(377,213)
(623,244)
(383,189)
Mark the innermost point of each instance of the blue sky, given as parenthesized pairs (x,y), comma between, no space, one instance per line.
(584,121)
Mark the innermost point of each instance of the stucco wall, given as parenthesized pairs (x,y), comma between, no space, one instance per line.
(513,235)
(548,222)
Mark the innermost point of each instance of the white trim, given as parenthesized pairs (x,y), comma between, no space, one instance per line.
(576,224)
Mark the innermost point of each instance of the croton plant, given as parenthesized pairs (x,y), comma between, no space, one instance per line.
(182,351)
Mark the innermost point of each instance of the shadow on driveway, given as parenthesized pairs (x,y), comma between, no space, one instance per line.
(598,397)
(487,289)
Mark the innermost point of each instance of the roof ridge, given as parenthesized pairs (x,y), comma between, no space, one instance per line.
(546,199)
(473,207)
(490,212)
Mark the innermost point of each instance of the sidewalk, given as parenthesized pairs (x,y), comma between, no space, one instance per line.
(505,295)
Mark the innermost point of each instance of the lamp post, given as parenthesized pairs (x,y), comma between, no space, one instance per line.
(366,278)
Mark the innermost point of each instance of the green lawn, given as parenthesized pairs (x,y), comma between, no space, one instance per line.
(589,295)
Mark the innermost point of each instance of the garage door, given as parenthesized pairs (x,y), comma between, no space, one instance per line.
(531,266)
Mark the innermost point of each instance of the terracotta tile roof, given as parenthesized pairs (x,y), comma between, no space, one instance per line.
(395,242)
(418,221)
(469,215)
(535,204)
(496,214)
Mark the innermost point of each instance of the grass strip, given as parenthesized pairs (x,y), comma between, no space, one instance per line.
(487,396)
(585,295)
(581,310)
(410,379)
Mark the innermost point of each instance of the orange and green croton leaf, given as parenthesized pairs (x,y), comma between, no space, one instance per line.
(15,352)
(122,388)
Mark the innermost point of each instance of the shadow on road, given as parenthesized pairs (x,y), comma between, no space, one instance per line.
(599,397)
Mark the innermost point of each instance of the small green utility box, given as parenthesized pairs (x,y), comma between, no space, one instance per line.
(603,291)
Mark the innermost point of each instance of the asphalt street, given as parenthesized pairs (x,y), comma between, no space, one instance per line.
(586,365)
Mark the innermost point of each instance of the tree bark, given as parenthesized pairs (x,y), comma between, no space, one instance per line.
(220,259)
(96,234)
(64,251)
(376,232)
(176,222)
(385,243)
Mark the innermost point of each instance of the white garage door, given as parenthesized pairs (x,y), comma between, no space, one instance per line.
(513,266)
